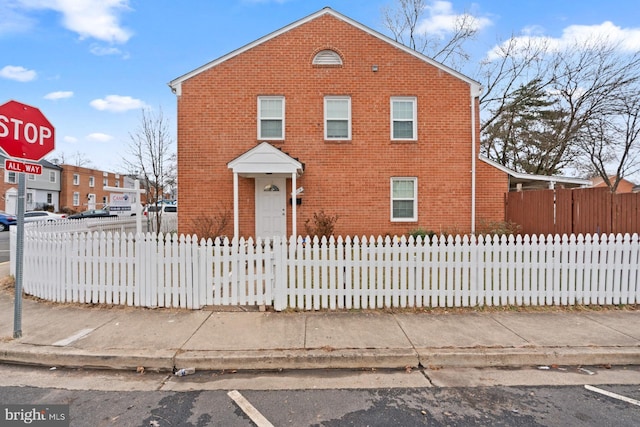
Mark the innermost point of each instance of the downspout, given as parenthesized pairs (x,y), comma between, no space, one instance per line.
(294,212)
(236,216)
(475,93)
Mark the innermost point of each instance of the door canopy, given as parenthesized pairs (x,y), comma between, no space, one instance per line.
(265,158)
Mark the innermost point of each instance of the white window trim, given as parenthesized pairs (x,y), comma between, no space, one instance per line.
(76,198)
(414,100)
(76,179)
(333,98)
(52,176)
(414,218)
(283,112)
(7,174)
(31,177)
(92,181)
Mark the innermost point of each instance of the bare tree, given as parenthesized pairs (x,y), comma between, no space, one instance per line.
(404,22)
(76,159)
(612,142)
(151,157)
(583,85)
(544,107)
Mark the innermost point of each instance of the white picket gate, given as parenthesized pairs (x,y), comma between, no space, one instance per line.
(157,270)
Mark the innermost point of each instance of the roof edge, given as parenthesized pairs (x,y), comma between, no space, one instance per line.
(176,83)
(547,178)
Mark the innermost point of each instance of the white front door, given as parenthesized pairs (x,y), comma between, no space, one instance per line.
(271,207)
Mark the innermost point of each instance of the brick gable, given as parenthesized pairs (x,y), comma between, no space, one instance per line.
(217,122)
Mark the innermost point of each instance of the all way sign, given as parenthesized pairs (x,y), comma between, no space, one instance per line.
(15,166)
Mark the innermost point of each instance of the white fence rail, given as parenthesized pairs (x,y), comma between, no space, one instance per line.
(169,271)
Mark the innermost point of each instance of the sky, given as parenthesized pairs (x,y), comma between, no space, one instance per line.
(91,66)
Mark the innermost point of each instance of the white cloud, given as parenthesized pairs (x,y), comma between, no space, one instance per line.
(102,51)
(117,104)
(442,19)
(20,74)
(97,19)
(59,95)
(626,39)
(12,20)
(99,137)
(70,139)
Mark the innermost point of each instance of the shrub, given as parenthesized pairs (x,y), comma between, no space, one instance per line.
(212,226)
(422,233)
(499,228)
(322,225)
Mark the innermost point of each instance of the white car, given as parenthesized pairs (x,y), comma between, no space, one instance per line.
(34,216)
(164,209)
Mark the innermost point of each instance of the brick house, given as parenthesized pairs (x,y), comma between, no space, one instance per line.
(327,114)
(624,186)
(82,188)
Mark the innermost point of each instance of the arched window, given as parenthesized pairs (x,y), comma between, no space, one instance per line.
(271,187)
(327,57)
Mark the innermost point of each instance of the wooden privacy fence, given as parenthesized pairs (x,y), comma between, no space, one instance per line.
(156,270)
(585,210)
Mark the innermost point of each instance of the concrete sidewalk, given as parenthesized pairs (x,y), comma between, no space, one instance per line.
(160,339)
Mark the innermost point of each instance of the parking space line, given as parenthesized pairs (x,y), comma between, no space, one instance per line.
(75,337)
(249,409)
(613,395)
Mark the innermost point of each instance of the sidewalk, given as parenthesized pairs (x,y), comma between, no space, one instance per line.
(159,339)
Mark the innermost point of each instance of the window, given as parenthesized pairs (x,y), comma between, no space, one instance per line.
(403,119)
(271,117)
(92,181)
(31,177)
(76,179)
(76,199)
(105,182)
(117,184)
(49,198)
(327,57)
(337,117)
(404,204)
(104,200)
(11,178)
(52,176)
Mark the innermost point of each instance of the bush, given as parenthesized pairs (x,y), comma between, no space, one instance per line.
(212,226)
(322,225)
(422,233)
(499,228)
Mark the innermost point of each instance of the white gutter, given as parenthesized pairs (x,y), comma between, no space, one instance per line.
(475,92)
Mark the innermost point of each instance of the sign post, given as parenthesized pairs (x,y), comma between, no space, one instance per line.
(25,134)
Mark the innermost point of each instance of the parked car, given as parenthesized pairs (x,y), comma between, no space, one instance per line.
(164,209)
(92,213)
(6,220)
(34,216)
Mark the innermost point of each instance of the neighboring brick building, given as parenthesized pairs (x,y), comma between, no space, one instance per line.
(82,188)
(624,186)
(365,128)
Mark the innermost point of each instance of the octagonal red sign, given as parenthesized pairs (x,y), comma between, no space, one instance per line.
(25,133)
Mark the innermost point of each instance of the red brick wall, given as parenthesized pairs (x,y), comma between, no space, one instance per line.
(217,122)
(67,187)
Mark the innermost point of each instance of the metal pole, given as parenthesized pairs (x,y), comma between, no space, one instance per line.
(17,313)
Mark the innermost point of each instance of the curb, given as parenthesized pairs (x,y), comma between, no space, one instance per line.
(165,360)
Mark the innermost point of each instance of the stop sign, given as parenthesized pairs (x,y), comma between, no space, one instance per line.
(25,133)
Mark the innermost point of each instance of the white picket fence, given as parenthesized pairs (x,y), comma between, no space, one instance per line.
(157,270)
